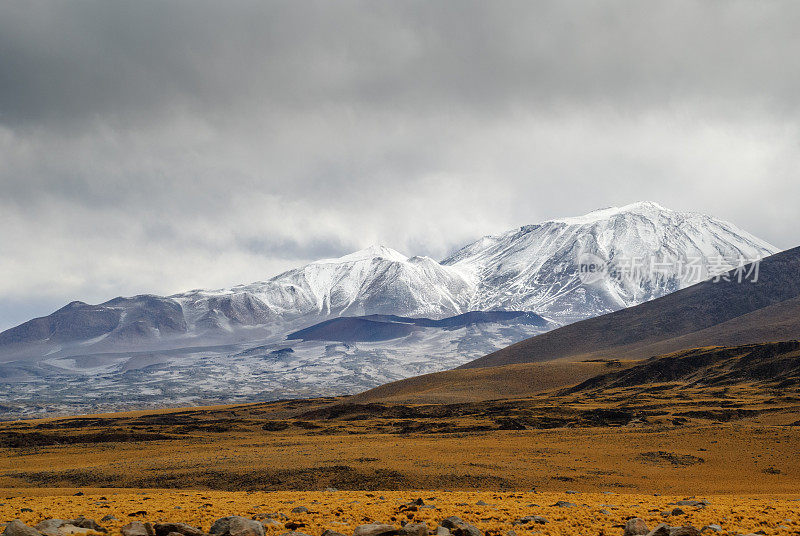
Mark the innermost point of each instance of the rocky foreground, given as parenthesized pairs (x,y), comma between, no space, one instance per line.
(334,513)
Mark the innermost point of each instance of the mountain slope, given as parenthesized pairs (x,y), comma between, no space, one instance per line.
(704,314)
(537,267)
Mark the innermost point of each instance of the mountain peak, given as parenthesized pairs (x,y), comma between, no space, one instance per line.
(647,208)
(374,251)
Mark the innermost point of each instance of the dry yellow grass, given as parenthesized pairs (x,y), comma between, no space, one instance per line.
(343,510)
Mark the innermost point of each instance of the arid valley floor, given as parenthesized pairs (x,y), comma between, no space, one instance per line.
(601,439)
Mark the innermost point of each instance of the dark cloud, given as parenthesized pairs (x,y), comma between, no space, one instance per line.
(156,146)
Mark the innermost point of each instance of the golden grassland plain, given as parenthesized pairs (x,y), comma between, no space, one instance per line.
(654,439)
(342,511)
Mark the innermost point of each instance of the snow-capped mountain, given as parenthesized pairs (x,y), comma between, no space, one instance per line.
(648,251)
(223,345)
(376,280)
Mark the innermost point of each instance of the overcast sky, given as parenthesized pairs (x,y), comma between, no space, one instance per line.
(162,146)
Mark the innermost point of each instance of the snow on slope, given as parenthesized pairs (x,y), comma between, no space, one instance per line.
(654,250)
(376,280)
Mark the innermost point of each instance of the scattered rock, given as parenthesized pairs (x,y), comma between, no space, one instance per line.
(605,512)
(294,534)
(570,492)
(459,527)
(80,493)
(236,526)
(375,529)
(442,531)
(269,522)
(481,503)
(109,517)
(18,528)
(636,526)
(712,527)
(564,504)
(23,510)
(677,512)
(299,510)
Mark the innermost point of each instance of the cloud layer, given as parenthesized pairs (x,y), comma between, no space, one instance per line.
(161,146)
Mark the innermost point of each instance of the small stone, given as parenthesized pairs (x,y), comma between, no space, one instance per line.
(294,534)
(570,492)
(18,528)
(108,517)
(269,522)
(712,527)
(329,532)
(442,531)
(677,512)
(636,526)
(564,504)
(299,510)
(605,512)
(236,526)
(375,529)
(482,503)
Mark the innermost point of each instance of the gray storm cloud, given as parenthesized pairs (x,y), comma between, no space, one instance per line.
(161,146)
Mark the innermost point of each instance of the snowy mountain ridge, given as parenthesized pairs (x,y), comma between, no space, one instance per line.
(533,268)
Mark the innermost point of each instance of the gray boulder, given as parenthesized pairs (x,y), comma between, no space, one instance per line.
(636,526)
(459,527)
(137,528)
(18,528)
(236,526)
(414,529)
